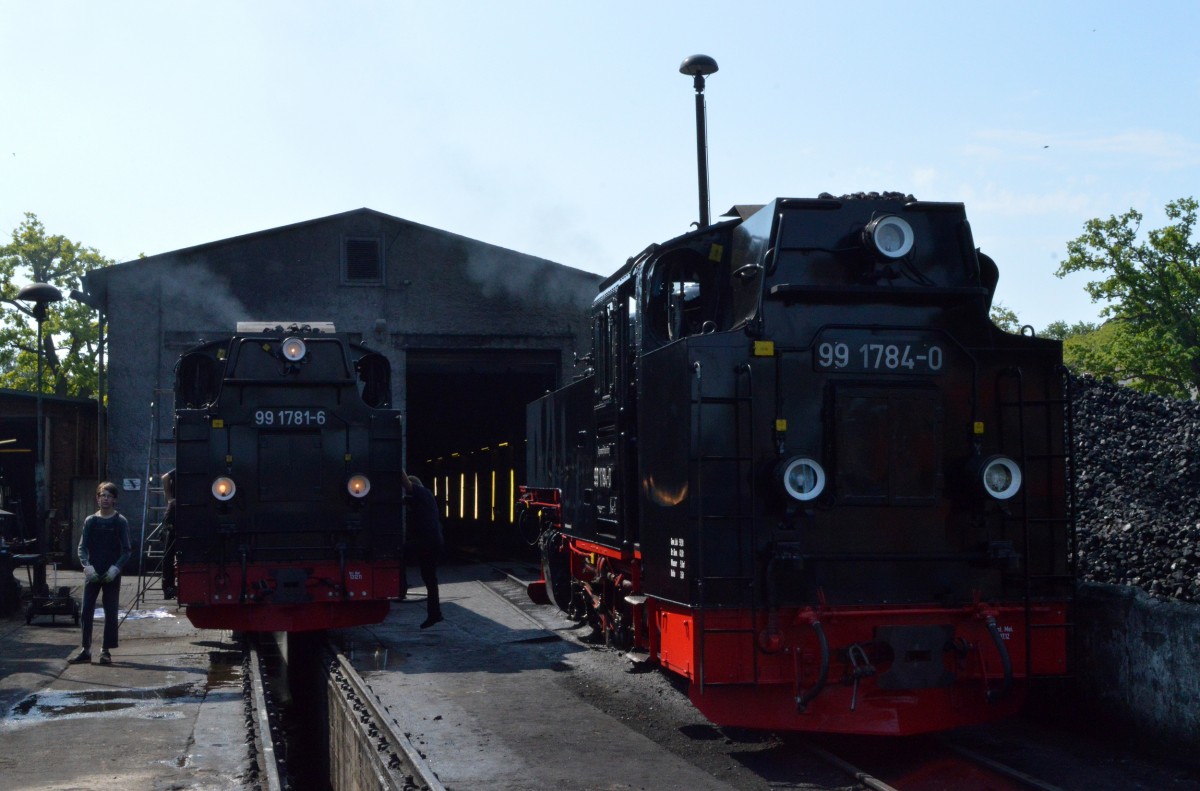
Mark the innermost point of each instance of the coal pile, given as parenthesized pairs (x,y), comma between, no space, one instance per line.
(1137,489)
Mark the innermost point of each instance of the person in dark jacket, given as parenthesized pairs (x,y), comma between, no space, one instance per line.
(425,531)
(103,549)
(167,528)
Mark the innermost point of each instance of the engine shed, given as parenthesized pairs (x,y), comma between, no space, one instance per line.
(473,332)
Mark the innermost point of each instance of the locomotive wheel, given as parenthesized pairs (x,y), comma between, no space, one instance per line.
(529,525)
(556,569)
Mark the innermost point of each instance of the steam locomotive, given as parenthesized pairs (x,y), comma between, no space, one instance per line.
(806,472)
(288,489)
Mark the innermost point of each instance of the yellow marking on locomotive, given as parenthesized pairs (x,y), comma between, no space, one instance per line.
(764,348)
(715,252)
(978,426)
(229,459)
(218,423)
(780,424)
(347,457)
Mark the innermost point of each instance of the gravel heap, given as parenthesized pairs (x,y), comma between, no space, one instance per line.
(1137,489)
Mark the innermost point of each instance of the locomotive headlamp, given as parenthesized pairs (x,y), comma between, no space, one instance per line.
(1000,476)
(224,488)
(803,478)
(889,235)
(358,485)
(294,349)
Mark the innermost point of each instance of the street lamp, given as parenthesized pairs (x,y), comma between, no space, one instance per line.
(41,295)
(698,67)
(95,303)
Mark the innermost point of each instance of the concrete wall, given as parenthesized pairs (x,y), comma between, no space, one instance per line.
(1138,662)
(439,291)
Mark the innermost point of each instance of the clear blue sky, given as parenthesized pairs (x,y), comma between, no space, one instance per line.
(564,129)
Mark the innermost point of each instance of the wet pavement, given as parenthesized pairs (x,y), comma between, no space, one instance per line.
(167,713)
(489,696)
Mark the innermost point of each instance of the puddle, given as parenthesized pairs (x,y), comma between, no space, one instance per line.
(224,672)
(135,615)
(372,656)
(94,702)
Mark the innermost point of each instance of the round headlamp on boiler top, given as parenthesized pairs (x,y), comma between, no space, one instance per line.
(890,236)
(803,478)
(293,349)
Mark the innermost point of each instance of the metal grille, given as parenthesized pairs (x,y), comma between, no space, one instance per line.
(363,261)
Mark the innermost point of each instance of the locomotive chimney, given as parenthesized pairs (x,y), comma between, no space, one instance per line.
(699,66)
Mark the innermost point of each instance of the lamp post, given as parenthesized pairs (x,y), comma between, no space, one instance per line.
(698,67)
(96,303)
(41,295)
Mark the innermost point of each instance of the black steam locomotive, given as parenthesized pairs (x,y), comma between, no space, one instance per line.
(808,473)
(289,457)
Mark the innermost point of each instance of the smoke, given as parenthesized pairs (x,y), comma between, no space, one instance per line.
(198,297)
(530,280)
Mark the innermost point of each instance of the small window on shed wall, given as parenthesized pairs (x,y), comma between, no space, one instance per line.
(362,260)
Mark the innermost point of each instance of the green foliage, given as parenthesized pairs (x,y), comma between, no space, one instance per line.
(70,331)
(1061,331)
(1152,293)
(1005,318)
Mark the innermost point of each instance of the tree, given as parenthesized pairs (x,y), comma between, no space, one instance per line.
(1152,293)
(1005,318)
(1061,331)
(70,331)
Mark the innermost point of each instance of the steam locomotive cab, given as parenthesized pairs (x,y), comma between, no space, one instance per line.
(808,473)
(288,512)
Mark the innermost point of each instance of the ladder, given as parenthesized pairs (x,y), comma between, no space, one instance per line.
(736,409)
(1050,415)
(160,458)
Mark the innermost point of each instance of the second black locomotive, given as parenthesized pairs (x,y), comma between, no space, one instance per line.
(807,472)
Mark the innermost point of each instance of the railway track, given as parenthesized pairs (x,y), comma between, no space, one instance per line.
(925,765)
(364,745)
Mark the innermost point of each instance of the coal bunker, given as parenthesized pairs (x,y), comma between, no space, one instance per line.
(1137,488)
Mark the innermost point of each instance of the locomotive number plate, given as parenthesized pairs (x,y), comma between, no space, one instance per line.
(289,417)
(879,356)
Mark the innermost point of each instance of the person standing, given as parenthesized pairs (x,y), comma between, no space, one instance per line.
(167,536)
(425,531)
(104,544)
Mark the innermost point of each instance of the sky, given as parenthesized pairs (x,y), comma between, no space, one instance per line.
(564,129)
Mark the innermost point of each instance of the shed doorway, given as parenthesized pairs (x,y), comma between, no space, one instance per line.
(465,418)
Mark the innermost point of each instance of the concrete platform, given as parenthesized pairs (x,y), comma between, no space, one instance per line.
(168,713)
(491,696)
